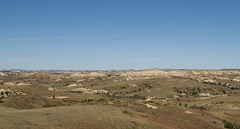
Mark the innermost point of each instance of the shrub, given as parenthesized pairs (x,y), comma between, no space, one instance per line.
(102,99)
(138,97)
(186,105)
(202,108)
(89,100)
(180,104)
(6,92)
(126,112)
(228,125)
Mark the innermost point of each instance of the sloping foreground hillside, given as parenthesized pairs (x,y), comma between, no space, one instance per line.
(99,116)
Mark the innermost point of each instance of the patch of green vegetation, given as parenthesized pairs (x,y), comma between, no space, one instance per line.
(144,116)
(102,99)
(126,112)
(138,97)
(49,105)
(196,107)
(17,119)
(155,114)
(140,111)
(112,99)
(228,125)
(69,101)
(237,127)
(185,121)
(87,100)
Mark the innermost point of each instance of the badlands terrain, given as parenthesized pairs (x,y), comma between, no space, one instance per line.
(120,99)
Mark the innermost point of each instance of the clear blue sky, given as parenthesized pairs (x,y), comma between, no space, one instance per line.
(119,34)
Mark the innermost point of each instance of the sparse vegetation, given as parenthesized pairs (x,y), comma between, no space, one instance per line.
(102,99)
(124,98)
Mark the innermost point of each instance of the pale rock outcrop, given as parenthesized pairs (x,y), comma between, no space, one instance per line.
(23,84)
(237,79)
(151,106)
(9,83)
(9,92)
(204,95)
(92,74)
(90,91)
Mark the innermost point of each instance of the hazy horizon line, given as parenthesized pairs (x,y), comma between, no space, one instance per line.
(117,69)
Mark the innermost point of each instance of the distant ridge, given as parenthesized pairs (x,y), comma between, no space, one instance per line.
(114,70)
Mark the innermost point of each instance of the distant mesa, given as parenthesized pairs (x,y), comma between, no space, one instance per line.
(152,69)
